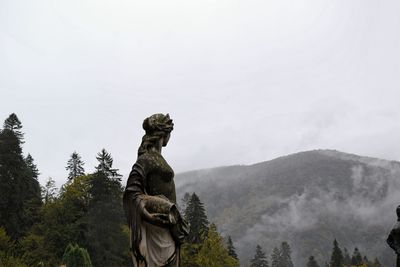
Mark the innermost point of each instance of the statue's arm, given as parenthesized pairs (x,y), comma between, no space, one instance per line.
(135,185)
(135,192)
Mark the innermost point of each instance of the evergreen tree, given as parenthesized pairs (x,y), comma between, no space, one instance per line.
(286,260)
(105,165)
(213,253)
(13,124)
(259,259)
(346,258)
(19,189)
(49,191)
(196,216)
(231,248)
(33,192)
(276,257)
(76,256)
(64,220)
(356,259)
(337,256)
(7,251)
(32,168)
(75,166)
(106,241)
(184,203)
(312,262)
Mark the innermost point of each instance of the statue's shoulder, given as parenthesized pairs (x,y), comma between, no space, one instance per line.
(148,160)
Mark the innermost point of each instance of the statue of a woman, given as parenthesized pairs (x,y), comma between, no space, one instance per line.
(157,229)
(393,239)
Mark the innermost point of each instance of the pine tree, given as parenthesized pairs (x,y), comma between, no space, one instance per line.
(13,124)
(231,248)
(19,189)
(75,166)
(356,259)
(34,172)
(259,259)
(312,262)
(213,253)
(33,194)
(337,256)
(286,260)
(184,203)
(49,191)
(106,241)
(276,256)
(105,165)
(195,215)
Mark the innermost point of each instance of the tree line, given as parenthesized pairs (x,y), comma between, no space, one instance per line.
(281,257)
(82,223)
(341,258)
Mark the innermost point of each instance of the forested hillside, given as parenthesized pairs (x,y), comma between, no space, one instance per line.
(308,199)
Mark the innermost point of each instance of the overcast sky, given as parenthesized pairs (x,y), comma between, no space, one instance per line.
(244,81)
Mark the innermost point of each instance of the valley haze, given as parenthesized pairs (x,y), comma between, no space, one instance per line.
(308,199)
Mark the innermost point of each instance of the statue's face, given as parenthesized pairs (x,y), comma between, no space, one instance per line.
(166,139)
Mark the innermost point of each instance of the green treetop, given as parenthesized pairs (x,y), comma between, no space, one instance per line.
(259,259)
(231,248)
(13,124)
(196,216)
(75,166)
(106,242)
(337,256)
(213,253)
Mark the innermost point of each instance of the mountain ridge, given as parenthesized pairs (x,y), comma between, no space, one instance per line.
(296,196)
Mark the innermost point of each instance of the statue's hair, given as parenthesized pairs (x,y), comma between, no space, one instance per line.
(156,127)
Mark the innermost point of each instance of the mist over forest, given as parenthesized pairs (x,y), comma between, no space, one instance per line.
(308,199)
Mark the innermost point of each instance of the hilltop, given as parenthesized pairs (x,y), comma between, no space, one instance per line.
(308,198)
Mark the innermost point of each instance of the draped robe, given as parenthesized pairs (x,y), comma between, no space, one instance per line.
(151,245)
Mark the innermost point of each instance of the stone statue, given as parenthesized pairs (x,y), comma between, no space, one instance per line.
(394,237)
(156,227)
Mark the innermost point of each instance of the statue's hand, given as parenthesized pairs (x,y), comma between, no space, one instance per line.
(156,218)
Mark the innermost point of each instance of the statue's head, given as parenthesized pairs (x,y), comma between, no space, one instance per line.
(156,126)
(398,211)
